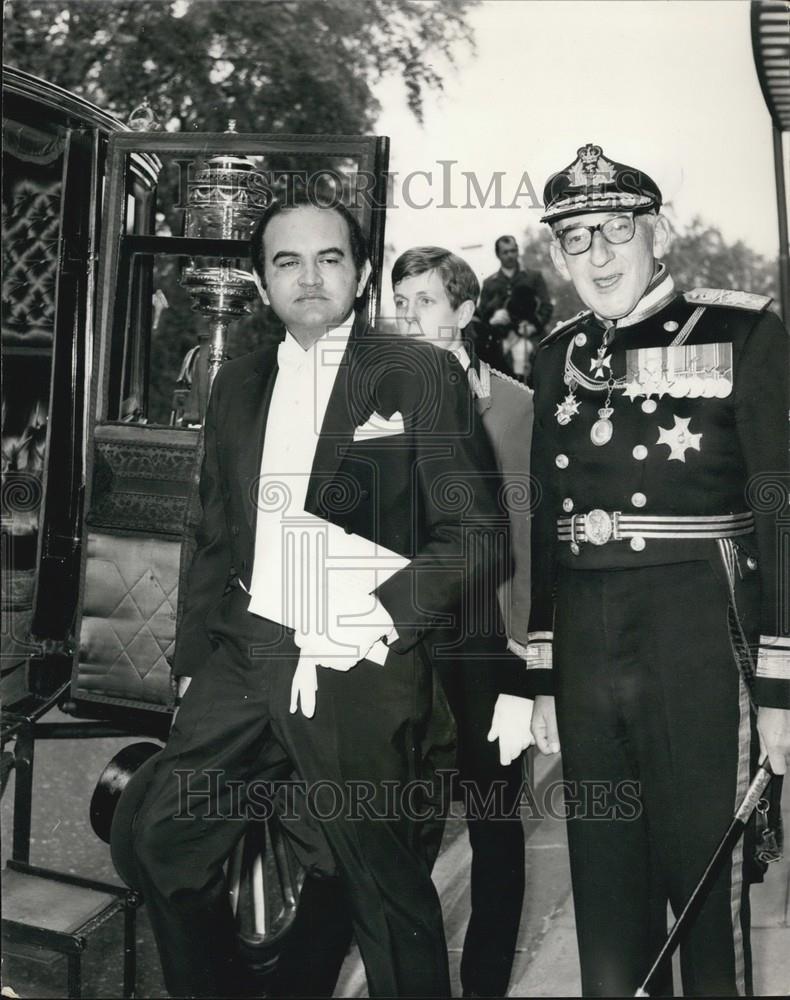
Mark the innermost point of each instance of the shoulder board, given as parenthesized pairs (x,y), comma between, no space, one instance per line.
(727,297)
(509,378)
(564,327)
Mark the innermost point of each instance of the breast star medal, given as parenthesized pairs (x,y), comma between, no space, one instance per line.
(567,409)
(633,390)
(679,439)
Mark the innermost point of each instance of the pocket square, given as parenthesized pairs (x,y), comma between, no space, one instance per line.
(377,426)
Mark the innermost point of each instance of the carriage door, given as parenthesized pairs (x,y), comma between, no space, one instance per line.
(49,222)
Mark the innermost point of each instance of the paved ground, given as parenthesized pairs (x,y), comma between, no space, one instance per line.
(66,772)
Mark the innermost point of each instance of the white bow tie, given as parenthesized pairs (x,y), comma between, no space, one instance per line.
(290,356)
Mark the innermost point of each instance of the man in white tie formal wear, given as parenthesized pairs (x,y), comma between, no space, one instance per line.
(297,662)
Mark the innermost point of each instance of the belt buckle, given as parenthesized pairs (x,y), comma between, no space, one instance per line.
(598,526)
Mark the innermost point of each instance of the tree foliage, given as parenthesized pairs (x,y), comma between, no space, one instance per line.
(308,66)
(700,256)
(274,65)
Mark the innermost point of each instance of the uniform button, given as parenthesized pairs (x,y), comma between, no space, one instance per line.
(567,505)
(580,339)
(751,562)
(365,494)
(649,406)
(348,529)
(640,452)
(638,499)
(575,548)
(235,529)
(637,543)
(670,326)
(561,461)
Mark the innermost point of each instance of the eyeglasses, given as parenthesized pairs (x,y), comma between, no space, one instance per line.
(578,239)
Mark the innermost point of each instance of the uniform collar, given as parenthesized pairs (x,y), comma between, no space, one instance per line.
(658,293)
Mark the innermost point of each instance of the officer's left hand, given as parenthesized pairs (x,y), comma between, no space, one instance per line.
(773,725)
(511,726)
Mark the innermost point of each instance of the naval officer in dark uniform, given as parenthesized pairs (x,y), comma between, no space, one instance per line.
(659,623)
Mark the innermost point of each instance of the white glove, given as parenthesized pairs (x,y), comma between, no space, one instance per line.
(360,642)
(511,726)
(304,686)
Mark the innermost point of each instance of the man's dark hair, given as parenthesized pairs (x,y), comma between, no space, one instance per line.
(359,246)
(503,239)
(458,278)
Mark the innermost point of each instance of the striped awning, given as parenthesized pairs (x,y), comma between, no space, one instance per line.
(771,44)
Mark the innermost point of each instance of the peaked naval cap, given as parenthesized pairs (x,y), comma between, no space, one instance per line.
(593,183)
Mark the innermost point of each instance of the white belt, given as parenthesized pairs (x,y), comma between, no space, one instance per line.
(599,527)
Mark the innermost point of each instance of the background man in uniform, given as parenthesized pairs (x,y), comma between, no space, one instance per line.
(660,450)
(329,425)
(480,660)
(513,312)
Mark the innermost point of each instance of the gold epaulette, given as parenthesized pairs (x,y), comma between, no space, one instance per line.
(509,378)
(564,327)
(727,297)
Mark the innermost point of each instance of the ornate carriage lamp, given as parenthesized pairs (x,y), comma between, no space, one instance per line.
(225,198)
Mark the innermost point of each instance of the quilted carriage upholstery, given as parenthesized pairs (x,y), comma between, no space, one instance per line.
(31,225)
(32,191)
(142,478)
(128,621)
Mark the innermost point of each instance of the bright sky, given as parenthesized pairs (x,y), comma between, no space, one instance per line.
(668,86)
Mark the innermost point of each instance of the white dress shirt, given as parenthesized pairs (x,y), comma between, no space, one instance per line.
(289,580)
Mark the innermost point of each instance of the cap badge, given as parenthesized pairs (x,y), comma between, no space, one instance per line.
(591,167)
(589,156)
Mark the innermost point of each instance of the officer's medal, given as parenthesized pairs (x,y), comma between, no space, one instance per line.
(569,407)
(603,361)
(602,381)
(602,430)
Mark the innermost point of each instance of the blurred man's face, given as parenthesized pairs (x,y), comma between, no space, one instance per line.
(311,280)
(508,254)
(422,309)
(611,278)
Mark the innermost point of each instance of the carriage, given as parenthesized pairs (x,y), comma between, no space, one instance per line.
(126,285)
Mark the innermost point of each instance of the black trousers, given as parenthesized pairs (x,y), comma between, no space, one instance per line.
(657,746)
(233,731)
(490,793)
(467,768)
